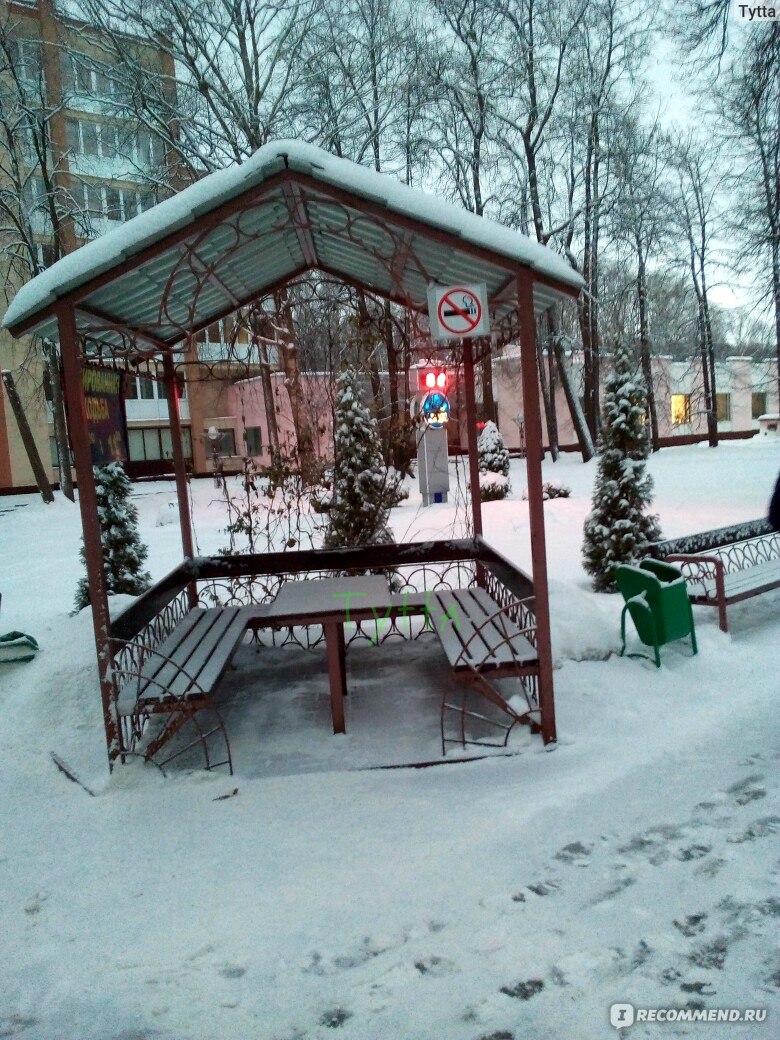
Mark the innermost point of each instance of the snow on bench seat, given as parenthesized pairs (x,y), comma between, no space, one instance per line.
(189,663)
(475,636)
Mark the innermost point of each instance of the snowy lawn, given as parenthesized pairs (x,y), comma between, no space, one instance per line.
(514,897)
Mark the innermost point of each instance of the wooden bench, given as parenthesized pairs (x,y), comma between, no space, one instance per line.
(178,678)
(483,642)
(726,565)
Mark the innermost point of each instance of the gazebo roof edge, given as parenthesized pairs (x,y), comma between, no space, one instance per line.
(36,301)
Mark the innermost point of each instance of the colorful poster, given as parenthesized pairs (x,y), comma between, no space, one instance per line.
(105,414)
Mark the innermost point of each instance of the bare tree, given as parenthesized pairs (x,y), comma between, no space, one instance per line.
(696,207)
(38,210)
(750,105)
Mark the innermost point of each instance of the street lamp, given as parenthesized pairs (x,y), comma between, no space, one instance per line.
(214,436)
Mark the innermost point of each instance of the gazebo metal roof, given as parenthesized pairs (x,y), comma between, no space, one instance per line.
(240,233)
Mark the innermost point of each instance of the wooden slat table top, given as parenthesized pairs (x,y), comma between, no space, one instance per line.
(331,597)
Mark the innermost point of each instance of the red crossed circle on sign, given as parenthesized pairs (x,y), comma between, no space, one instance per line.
(459,311)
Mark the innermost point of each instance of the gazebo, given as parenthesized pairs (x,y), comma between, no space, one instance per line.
(147,288)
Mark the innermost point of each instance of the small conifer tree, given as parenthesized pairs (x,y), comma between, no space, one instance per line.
(363,490)
(123,551)
(492,452)
(619,529)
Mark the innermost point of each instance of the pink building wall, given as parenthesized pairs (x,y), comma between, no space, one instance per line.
(740,378)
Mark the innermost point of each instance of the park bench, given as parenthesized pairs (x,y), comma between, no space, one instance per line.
(726,565)
(483,643)
(175,681)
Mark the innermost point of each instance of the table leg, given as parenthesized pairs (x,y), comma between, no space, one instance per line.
(334,642)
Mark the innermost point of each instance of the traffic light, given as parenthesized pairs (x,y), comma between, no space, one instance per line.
(433,379)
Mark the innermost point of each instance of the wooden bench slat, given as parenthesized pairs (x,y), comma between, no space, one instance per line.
(202,644)
(456,617)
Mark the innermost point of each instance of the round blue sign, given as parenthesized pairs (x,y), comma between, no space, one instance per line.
(435,409)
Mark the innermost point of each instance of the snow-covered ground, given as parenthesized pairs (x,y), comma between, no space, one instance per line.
(513,897)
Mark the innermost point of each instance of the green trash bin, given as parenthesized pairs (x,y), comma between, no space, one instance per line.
(656,598)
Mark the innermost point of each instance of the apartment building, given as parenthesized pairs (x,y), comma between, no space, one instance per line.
(75,165)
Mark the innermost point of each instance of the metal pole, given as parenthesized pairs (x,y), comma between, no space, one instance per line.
(471,436)
(179,465)
(533,462)
(93,549)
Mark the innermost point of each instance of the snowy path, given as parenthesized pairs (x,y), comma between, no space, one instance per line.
(308,905)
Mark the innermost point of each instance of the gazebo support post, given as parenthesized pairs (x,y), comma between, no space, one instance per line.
(534,455)
(90,523)
(471,436)
(179,467)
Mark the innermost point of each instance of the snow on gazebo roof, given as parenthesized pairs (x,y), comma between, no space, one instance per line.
(241,232)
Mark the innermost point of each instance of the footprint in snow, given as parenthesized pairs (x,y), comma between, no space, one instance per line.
(761,828)
(747,790)
(435,966)
(576,854)
(524,990)
(710,955)
(545,888)
(704,989)
(692,924)
(334,1018)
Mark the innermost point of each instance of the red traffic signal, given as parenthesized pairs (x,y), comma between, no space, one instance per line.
(433,379)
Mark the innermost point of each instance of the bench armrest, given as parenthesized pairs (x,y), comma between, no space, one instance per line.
(701,570)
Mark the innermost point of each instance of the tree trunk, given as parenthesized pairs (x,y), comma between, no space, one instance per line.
(394,424)
(60,425)
(488,400)
(268,398)
(552,433)
(553,421)
(644,345)
(368,356)
(27,439)
(575,409)
(307,462)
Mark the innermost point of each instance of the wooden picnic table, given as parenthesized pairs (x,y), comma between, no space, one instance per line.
(331,602)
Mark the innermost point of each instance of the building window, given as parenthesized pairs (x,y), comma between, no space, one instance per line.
(146,388)
(254,440)
(758,404)
(151,443)
(35,195)
(113,204)
(89,138)
(226,445)
(681,409)
(723,407)
(26,58)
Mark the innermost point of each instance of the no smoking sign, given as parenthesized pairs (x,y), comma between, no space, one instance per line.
(458,311)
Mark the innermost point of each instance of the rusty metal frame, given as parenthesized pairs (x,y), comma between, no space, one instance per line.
(81,324)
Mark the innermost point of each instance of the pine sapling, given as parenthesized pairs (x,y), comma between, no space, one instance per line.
(619,529)
(363,488)
(123,551)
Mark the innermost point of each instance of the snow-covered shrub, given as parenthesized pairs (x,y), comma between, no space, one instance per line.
(364,490)
(619,530)
(123,551)
(492,452)
(493,486)
(551,489)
